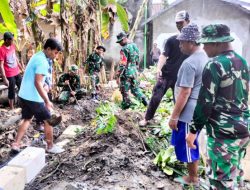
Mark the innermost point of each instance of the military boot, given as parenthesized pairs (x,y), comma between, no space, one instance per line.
(144,101)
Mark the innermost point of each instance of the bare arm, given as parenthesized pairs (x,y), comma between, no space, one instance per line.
(181,101)
(6,82)
(20,65)
(161,62)
(40,89)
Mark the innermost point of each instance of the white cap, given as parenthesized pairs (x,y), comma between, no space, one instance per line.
(181,16)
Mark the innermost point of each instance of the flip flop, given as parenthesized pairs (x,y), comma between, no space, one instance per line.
(183,182)
(15,148)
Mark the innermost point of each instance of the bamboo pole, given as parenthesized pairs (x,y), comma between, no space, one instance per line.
(138,20)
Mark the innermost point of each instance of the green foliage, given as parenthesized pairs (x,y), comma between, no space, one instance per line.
(8,18)
(78,131)
(104,3)
(107,18)
(123,17)
(105,25)
(38,3)
(43,12)
(158,137)
(56,7)
(166,160)
(122,1)
(155,144)
(105,120)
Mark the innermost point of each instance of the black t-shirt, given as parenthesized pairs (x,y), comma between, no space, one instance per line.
(175,58)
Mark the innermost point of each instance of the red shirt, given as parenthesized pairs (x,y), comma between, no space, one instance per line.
(8,56)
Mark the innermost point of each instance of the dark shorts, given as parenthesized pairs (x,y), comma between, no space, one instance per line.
(182,151)
(37,109)
(13,82)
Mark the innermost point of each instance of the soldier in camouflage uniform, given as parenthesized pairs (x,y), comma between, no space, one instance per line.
(127,72)
(70,83)
(95,63)
(222,107)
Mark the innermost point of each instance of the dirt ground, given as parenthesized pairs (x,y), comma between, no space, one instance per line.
(91,161)
(113,161)
(116,161)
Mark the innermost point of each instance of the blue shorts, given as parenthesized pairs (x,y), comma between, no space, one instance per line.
(178,140)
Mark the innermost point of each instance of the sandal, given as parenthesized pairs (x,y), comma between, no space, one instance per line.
(183,182)
(15,147)
(55,149)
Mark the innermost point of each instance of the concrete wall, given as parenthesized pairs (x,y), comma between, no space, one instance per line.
(204,12)
(113,49)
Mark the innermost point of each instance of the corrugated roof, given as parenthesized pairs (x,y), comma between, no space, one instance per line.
(244,5)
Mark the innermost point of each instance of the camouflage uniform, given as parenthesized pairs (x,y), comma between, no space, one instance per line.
(95,63)
(222,107)
(74,82)
(129,57)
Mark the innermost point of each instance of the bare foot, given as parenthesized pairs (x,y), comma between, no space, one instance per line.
(189,179)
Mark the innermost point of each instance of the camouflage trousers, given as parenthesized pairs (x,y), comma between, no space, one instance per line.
(95,80)
(65,95)
(132,84)
(225,171)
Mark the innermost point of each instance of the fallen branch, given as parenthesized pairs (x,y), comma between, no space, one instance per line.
(51,173)
(139,134)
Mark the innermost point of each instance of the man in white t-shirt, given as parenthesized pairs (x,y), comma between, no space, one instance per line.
(187,88)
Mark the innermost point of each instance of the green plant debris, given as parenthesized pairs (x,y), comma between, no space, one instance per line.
(105,120)
(166,160)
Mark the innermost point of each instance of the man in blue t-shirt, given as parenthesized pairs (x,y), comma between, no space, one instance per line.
(34,99)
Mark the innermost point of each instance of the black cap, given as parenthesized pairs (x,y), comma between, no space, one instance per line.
(101,47)
(8,35)
(121,36)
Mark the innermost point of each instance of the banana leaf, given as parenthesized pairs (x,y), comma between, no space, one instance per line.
(8,18)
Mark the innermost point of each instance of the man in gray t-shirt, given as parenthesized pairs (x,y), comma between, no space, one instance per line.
(189,76)
(186,94)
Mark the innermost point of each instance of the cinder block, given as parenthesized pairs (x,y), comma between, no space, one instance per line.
(12,178)
(71,131)
(32,159)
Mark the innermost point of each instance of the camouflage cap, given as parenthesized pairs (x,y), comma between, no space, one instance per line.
(121,36)
(216,33)
(73,68)
(189,33)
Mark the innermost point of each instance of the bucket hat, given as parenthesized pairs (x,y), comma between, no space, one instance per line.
(121,36)
(189,33)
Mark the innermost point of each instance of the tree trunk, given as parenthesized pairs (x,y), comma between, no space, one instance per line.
(36,30)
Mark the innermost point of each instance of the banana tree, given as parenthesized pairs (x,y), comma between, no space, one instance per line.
(110,8)
(8,18)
